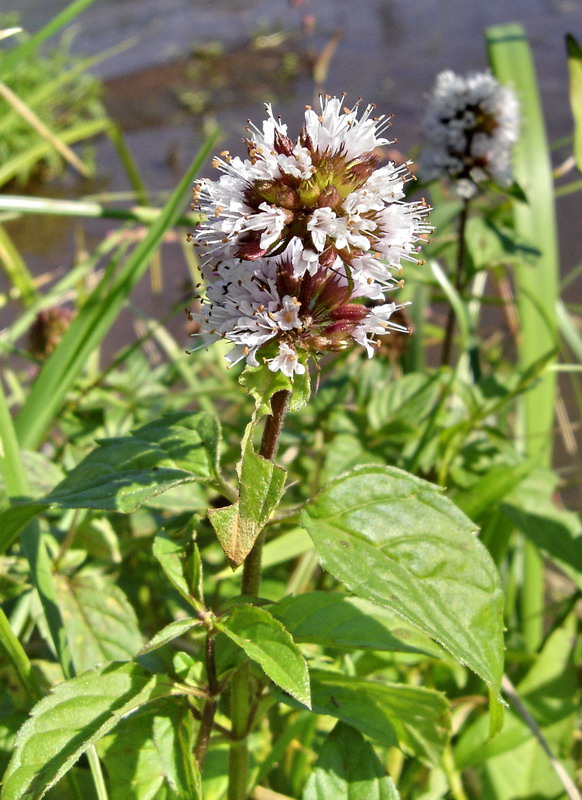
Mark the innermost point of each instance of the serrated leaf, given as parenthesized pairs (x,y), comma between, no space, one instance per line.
(99,620)
(396,540)
(123,473)
(170,632)
(265,640)
(262,384)
(76,714)
(261,484)
(150,753)
(393,714)
(348,769)
(339,620)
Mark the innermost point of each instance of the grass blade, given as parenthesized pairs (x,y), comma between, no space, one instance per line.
(94,320)
(536,278)
(68,14)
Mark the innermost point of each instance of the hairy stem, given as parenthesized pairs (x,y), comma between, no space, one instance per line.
(242,710)
(459,282)
(251,579)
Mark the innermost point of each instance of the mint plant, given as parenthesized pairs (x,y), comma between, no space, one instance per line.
(298,239)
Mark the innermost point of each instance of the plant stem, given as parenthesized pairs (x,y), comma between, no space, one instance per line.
(209,709)
(459,282)
(251,579)
(240,686)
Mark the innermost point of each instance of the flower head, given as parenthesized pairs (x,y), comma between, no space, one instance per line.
(254,304)
(300,234)
(326,190)
(470,127)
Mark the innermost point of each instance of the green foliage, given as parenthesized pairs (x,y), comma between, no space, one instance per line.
(348,769)
(266,641)
(394,539)
(74,716)
(59,90)
(406,505)
(260,488)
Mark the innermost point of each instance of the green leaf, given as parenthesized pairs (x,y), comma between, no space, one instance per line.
(339,620)
(151,752)
(99,620)
(265,640)
(486,493)
(14,519)
(575,69)
(403,403)
(262,384)
(170,632)
(531,508)
(73,717)
(172,557)
(393,714)
(123,473)
(348,769)
(396,540)
(261,484)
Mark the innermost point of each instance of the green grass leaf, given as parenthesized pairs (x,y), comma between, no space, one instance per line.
(94,320)
(348,769)
(396,540)
(575,69)
(73,717)
(265,640)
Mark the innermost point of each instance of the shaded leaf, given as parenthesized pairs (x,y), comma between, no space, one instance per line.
(151,752)
(262,384)
(265,640)
(338,620)
(348,769)
(172,556)
(99,620)
(396,540)
(393,714)
(74,716)
(123,473)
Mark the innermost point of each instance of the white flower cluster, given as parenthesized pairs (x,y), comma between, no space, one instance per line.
(470,127)
(298,230)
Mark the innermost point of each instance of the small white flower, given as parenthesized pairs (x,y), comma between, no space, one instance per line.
(324,191)
(287,361)
(288,317)
(377,322)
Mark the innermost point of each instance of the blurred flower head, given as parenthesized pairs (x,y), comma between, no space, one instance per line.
(301,232)
(470,127)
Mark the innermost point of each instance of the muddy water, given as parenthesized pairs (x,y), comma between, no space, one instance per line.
(251,51)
